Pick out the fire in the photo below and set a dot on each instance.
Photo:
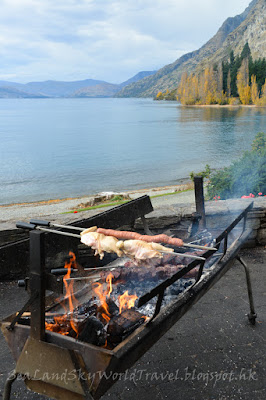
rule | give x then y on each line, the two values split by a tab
63	324
62	321
126	301
72	301
103	295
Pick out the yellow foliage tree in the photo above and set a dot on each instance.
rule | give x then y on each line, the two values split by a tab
159	96
254	90
242	83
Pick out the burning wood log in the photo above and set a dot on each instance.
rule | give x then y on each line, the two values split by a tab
93	332
123	324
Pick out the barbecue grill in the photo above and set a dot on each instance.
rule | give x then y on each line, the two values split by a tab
87	370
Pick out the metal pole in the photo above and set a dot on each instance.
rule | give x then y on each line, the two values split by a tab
199	200
252	315
37	284
7	389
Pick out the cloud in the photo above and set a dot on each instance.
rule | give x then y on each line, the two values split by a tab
103	39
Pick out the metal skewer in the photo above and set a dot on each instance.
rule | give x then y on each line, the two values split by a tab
32	226
184	255
51	224
197	246
76	228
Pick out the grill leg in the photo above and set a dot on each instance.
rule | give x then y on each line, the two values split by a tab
7	390
252	315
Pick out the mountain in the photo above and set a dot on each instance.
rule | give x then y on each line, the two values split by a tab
105	89
252	31
83	88
13	93
100	90
51	88
232	35
137	77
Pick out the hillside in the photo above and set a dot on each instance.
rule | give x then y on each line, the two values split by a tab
13	93
251	31
233	34
100	90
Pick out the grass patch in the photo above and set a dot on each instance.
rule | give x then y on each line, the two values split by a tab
115	203
170	193
118	202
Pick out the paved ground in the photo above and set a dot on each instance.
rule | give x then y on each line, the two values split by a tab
212	352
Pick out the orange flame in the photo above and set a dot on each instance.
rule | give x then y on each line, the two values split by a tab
103	294
72	301
63	323
126	301
109	280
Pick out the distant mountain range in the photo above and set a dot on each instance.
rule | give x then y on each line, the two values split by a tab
250	26
84	88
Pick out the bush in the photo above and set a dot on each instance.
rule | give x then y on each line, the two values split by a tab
233	101
205	174
246	175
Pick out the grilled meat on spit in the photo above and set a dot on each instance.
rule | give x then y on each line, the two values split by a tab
162	238
137	249
140	250
99	242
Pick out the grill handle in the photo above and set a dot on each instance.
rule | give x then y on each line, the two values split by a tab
25	225
40	222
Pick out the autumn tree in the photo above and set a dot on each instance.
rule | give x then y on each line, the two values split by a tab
243	83
210	86
254	90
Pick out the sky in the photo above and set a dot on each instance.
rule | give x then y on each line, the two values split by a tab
109	40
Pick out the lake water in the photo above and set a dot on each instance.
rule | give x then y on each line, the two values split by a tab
56	148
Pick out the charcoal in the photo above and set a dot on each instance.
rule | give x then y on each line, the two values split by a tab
112	307
123	324
88	308
93	332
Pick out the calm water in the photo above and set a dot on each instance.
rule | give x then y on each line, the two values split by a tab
56	148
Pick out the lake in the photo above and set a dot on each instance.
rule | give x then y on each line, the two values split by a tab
57	148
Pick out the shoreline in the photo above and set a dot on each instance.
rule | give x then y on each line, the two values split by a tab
178	187
67	209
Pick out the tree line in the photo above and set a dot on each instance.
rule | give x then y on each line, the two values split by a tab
238	80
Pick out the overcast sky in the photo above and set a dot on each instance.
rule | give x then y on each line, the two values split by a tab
109	40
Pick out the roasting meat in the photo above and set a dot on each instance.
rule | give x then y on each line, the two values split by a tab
136	273
162	238
100	243
140	251
137	249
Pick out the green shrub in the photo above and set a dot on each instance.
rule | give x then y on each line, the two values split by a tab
205	174
246	175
